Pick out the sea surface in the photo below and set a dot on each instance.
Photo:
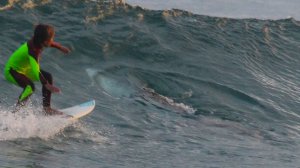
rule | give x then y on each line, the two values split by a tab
174	88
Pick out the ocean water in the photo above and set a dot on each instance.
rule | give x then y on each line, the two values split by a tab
173	88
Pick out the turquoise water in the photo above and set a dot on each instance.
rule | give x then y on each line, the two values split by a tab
172	88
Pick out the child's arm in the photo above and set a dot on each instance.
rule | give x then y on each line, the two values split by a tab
60	47
50	87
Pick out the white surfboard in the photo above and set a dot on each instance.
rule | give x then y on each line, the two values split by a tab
80	110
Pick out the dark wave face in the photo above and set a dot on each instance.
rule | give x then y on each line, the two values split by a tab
172	88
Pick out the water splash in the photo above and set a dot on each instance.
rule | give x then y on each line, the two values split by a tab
28	123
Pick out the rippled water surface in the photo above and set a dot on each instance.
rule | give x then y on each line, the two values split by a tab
172	88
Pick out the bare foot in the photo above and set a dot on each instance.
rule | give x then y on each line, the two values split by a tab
51	111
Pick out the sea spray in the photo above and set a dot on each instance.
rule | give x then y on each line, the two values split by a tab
29	122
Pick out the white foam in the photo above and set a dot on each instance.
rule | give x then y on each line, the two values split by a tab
28	123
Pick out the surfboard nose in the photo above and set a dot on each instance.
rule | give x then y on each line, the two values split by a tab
80	110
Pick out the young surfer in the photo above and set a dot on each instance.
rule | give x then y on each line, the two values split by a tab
23	67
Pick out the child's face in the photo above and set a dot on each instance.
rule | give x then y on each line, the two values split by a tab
48	42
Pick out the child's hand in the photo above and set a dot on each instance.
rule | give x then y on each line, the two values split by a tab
52	88
60	47
65	50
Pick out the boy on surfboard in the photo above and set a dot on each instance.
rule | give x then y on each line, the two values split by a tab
23	67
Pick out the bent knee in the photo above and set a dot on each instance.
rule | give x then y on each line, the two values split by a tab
28	90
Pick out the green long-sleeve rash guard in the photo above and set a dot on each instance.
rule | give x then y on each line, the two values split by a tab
24	63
